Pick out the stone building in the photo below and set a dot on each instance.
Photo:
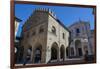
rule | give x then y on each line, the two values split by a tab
17	39
80	39
92	40
45	38
17	21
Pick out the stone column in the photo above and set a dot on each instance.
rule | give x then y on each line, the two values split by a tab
48	54
32	54
43	57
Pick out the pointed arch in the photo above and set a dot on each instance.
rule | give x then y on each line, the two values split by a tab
62	52
54	51
37	53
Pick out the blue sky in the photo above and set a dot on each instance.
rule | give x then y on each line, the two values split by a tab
67	15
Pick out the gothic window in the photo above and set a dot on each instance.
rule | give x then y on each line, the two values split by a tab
53	30
41	29
63	36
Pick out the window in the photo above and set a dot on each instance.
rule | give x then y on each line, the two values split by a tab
77	30
53	30
41	29
63	36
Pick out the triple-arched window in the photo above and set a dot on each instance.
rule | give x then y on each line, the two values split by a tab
53	30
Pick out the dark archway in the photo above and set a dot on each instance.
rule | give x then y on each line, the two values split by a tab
67	52
28	56
62	52
20	54
78	48
37	54
54	51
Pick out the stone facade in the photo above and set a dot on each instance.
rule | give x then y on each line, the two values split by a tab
45	38
80	39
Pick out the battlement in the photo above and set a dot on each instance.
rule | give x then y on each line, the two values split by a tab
46	10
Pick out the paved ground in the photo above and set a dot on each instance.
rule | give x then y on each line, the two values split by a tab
67	62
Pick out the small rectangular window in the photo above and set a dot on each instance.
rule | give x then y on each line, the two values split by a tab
63	36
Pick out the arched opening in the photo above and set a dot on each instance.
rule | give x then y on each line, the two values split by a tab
78	48
67	52
62	52
21	53
37	54
54	51
28	56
